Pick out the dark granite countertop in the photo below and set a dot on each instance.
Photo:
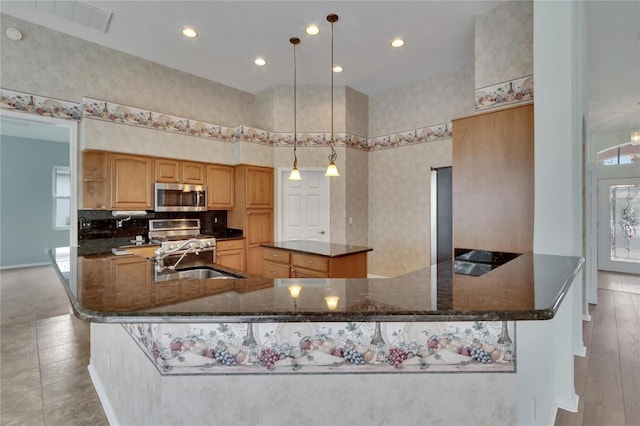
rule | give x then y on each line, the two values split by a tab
319	248
530	287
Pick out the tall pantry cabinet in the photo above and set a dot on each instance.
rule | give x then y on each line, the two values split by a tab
253	212
493	177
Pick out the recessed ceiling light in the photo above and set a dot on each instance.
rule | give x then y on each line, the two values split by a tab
14	34
338	68
189	32
312	30
260	62
397	42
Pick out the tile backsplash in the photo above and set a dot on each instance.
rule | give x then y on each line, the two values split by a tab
98	229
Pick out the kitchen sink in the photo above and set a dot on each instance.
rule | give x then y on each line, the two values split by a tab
197	273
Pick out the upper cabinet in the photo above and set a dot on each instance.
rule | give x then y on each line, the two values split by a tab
258	183
116	181
95	180
176	171
493	177
220	187
131	182
194	173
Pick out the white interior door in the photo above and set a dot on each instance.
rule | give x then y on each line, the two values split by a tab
619	225
304	206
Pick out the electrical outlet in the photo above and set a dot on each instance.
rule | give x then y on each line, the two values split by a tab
85	225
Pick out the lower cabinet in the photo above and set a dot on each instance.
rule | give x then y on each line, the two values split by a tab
230	253
278	263
130	276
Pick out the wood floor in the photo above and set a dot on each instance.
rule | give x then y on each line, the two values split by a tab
44	353
608	378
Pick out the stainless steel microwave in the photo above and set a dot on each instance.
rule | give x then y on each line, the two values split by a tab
176	197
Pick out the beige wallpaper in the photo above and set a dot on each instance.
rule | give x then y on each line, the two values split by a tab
435	100
504	43
50	63
399	206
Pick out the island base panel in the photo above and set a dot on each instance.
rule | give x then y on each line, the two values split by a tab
134	393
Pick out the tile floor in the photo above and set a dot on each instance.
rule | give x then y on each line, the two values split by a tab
44	353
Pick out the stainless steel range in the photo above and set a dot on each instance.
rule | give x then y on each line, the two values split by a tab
181	237
171	233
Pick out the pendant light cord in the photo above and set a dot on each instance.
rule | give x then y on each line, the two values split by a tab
332	157
295	41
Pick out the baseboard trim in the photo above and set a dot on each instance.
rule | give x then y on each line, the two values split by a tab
571	406
26	265
375	276
102	395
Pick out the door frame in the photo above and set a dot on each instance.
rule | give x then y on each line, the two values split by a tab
72	125
283	174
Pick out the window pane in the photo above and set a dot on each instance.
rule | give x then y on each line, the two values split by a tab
625	207
63	183
63	216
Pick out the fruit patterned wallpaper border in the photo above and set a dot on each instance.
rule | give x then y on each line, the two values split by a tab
518	90
506	93
40	105
353	347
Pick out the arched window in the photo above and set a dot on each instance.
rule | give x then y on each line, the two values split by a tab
623	154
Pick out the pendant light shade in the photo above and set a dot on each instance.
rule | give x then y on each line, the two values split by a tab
332	170
295	173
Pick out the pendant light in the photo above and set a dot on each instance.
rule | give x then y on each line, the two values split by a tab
332	170
295	174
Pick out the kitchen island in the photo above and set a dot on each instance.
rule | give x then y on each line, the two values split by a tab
340	351
313	259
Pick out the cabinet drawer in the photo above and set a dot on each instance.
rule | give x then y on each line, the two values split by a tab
275	270
274	255
307	261
229	245
308	273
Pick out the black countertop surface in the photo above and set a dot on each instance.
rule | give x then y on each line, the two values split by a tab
319	248
530	287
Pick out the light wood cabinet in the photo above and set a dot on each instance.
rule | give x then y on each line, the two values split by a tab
230	253
95	180
253	212
280	263
258	187
493	180
131	182
220	187
194	173
131	278
176	171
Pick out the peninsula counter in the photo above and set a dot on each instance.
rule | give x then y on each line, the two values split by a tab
275	351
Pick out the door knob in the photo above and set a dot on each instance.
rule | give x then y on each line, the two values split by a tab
321	232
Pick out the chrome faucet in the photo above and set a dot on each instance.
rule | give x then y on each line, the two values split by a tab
189	244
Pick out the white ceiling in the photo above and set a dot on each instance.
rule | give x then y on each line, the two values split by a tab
439	35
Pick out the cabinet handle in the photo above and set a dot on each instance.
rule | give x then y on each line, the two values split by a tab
275	255
308	262
275	273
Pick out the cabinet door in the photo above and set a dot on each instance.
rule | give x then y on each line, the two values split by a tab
259	230
231	259
193	173
259	187
131	277
220	187
230	253
167	170
95	180
131	182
